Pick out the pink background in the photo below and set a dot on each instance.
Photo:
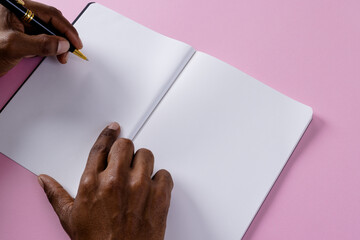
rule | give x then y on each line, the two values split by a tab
307	49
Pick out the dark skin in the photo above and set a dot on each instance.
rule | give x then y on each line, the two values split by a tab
117	197
19	40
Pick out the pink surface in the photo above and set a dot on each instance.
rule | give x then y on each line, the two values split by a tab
307	49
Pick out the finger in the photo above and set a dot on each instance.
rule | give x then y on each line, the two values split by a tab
20	45
139	186
163	185
63	58
143	163
140	181
163	180
55	18
120	157
159	202
58	197
97	160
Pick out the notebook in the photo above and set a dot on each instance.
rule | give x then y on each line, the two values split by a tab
223	135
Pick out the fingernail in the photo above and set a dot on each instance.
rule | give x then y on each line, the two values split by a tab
114	126
41	182
63	47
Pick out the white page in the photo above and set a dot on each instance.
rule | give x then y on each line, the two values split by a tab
225	138
52	122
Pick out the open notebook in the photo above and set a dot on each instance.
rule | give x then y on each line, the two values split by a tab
223	135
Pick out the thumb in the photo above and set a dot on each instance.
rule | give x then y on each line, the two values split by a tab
42	45
58	197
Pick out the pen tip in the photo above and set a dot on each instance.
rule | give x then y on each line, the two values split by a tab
80	54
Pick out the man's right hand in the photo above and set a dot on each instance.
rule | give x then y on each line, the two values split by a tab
19	39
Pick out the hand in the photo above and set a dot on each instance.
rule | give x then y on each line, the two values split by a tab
117	198
19	39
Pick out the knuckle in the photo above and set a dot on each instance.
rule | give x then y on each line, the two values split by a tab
109	185
99	148
105	191
88	182
47	47
11	36
7	44
146	153
54	11
124	143
140	184
111	181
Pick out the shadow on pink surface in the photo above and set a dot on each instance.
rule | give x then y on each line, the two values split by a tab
25	210
308	137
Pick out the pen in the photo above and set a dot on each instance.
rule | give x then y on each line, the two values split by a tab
17	7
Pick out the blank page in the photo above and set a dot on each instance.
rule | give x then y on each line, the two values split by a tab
225	138
52	122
